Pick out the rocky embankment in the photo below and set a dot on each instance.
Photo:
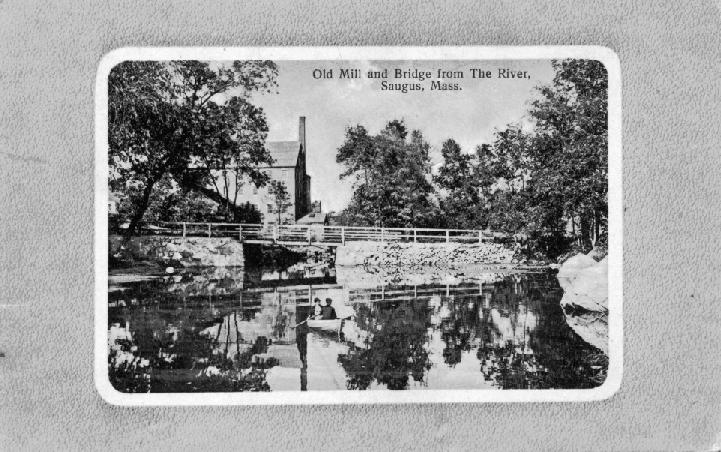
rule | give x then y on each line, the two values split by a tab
373	263
421	255
179	251
585	298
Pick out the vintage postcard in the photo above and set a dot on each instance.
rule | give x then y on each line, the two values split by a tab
358	225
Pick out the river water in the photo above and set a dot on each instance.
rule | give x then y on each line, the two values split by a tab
226	329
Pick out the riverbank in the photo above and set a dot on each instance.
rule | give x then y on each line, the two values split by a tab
412	256
585	298
176	251
373	263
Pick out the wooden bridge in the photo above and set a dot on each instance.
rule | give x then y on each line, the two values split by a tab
296	234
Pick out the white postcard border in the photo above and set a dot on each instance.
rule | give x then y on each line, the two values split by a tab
615	224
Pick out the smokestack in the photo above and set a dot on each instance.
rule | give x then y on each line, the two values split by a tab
301	132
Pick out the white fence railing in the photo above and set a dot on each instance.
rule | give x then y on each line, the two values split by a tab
297	233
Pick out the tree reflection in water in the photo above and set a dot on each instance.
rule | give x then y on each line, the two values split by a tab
396	350
543	351
166	350
204	333
515	326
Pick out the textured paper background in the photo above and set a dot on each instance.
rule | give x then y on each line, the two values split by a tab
670	397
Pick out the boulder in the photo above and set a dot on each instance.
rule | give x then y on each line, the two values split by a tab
585	298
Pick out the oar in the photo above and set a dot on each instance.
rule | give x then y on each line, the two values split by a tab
299	324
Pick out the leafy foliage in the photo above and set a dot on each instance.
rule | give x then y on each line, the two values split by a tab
280	197
539	178
392	177
570	149
462	203
184	119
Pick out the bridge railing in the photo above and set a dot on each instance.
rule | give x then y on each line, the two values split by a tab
298	233
415	235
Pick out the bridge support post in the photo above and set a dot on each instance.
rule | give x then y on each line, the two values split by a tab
415	239
342	235
240	233
448	236
383	235
184	230
307	232
209	233
480	236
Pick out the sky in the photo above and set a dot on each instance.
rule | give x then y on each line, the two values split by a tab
330	105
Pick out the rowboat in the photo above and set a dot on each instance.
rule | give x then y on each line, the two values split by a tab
325	325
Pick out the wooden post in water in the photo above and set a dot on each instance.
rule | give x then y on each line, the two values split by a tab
342	235
480	236
184	229
308	234
240	233
415	240
448	236
209	230
383	238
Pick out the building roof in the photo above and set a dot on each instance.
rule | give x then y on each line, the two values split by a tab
313	218
284	153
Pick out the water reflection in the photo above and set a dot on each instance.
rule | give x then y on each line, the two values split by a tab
225	330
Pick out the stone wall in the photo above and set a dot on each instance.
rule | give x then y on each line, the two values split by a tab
186	252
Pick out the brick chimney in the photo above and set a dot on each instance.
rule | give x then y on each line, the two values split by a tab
301	132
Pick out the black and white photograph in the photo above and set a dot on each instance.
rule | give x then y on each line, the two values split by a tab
360	225
341	225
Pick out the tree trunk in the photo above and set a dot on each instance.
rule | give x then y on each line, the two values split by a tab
139	211
235	195
227	196
585	229
597	223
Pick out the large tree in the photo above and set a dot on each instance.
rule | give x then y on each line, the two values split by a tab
570	147
391	172
458	177
184	119
556	171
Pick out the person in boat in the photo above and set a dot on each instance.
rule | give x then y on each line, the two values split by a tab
328	312
317	309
